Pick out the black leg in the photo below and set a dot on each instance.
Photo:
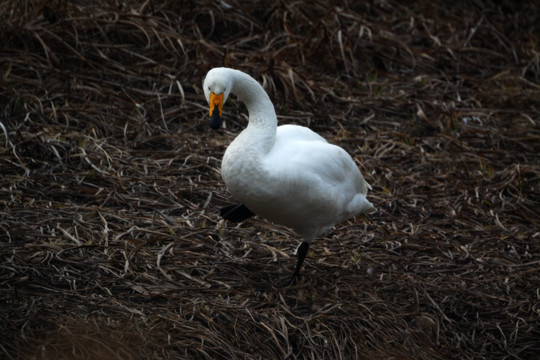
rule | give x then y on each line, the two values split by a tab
301	253
235	212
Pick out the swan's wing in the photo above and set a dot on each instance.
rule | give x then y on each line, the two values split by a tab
300	152
314	163
310	186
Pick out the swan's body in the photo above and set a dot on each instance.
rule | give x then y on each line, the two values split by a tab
288	174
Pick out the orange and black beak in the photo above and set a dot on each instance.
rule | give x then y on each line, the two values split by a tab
216	104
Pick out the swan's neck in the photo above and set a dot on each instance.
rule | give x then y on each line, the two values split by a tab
262	116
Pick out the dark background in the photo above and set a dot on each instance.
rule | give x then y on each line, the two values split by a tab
111	244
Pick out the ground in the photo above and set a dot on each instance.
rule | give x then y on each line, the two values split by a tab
111	243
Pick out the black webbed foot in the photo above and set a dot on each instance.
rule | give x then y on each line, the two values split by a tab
301	253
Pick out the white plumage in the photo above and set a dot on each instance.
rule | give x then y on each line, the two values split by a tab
288	174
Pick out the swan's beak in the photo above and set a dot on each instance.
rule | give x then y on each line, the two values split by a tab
216	104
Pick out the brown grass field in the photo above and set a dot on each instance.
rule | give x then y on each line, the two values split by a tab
111	243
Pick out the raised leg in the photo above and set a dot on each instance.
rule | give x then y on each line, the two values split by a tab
235	213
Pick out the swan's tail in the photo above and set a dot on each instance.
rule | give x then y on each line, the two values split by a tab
360	205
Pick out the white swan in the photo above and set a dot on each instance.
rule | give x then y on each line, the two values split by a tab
287	174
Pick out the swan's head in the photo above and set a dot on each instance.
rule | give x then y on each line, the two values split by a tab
217	87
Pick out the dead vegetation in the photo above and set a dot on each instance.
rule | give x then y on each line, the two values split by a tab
111	243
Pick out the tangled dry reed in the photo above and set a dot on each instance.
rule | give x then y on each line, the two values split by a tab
111	244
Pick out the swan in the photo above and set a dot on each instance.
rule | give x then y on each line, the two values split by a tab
287	174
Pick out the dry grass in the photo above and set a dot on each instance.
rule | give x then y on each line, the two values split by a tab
111	244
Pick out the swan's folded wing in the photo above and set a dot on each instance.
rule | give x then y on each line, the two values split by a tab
316	165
